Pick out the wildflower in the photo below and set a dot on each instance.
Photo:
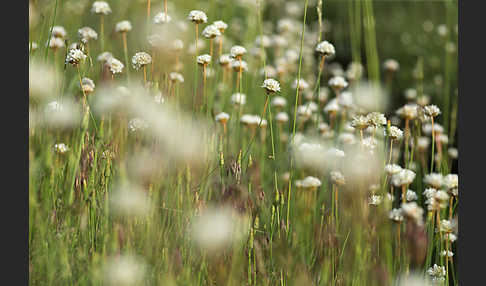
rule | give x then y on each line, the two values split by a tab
337	83
176	77
197	17
282	117
61	148
300	84
215	229
238	98
309	182
323	94
177	45
411	196
204	59
374	200
59	32
137	124
402	178
271	85
431	110
222	26
413	211
437	273
88	85
123	27
211	32
75	56
86	34
250	120
124	270
345	99
325	48
222	117
323	127
450	237
427	128
224	60
453	153
391	65
451	181
376	119
396	215
304	112
408	111
140	60
337	178
434	180
239	66
104	57
162	18
346	138
392	169
237	52
447	253
354	71
332	106
101	7
447	226
279	101
56	43
263	41
115	65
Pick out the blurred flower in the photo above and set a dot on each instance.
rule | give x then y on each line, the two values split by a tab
123	27
124	270
101	7
141	59
86	34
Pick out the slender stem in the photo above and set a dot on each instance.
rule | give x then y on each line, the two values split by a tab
165	8
211	47
433	145
102	32
125	51
391	151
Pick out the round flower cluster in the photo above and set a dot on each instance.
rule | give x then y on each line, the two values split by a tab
123	27
271	85
100	7
141	59
197	17
75	56
114	65
211	32
86	34
325	48
162	18
204	59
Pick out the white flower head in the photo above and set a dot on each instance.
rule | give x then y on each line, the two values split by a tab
396	215
395	133
301	84
309	183
204	59
86	34
61	148
88	85
338	83
115	65
222	117
101	7
59	32
404	177
123	27
391	65
237	51
211	32
222	26
140	60
162	18
197	17
271	85
238	99
434	180
56	43
432	110
238	66
326	49
104	57
282	117
75	56
376	119
392	169
279	101
176	77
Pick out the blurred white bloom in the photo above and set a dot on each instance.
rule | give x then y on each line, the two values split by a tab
332	106
395	133
392	169
238	98
217	228
404	177
411	196
374	200
408	111
391	65
310	183
396	215
431	110
410	93
376	119
61	148
434	180
43	79
162	18
282	117
124	270
346	99
414	279
237	51
137	124
279	101
338	83
224	59
301	84
101	7
86	34
451	181
413	212
211	31
88	85
130	200
237	65
222	26
175	76
104	57
222	117
59	32
453	153
337	178
123	27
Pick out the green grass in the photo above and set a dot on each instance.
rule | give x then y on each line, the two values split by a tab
291	236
